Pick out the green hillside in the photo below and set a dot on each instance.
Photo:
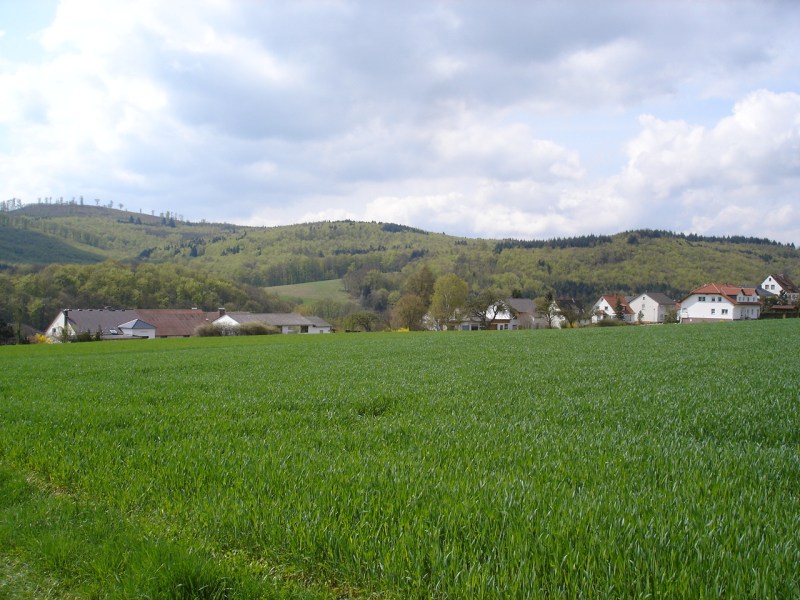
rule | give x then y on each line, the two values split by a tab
373	260
332	289
25	246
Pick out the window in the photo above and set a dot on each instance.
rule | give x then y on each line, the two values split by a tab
724	311
702	298
713	310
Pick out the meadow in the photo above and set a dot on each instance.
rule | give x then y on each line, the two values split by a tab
627	462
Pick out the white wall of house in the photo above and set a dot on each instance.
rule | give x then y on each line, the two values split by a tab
771	285
608	312
602	310
776	288
650	310
713	307
55	330
139	332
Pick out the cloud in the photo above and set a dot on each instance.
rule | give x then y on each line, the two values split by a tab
717	177
505	119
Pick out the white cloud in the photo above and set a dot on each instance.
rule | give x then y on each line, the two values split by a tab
476	119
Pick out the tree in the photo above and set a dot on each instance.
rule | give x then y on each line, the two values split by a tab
420	283
363	320
571	310
619	309
6	333
485	306
408	312
547	309
449	297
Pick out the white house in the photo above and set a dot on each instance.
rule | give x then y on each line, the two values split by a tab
775	284
124	324
651	307
73	322
286	322
606	308
720	302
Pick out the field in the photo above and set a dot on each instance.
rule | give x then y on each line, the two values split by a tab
331	289
629	462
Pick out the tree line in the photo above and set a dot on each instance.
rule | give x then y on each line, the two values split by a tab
35	297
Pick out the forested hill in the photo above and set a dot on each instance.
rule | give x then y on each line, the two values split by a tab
582	267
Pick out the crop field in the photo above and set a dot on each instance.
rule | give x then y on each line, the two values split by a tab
627	462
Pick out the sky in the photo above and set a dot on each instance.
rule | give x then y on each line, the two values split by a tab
484	119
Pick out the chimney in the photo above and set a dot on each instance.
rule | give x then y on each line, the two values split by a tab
222	311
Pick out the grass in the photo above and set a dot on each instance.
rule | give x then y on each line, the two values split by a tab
310	292
624	462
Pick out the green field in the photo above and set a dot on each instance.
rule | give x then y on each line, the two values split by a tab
331	289
629	462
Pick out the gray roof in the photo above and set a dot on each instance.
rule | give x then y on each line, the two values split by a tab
318	321
103	319
661	298
137	324
278	319
522	305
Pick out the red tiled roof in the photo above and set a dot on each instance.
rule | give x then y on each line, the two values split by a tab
730	292
612	301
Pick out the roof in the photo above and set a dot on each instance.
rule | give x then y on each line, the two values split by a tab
730	292
522	305
318	321
785	283
176	322
612	302
84	320
659	298
173	322
278	319
137	324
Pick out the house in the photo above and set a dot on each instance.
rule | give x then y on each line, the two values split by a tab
652	307
606	308
720	302
525	313
286	322
775	284
520	314
104	321
126	324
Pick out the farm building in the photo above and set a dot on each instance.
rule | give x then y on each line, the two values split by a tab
286	322
128	324
103	322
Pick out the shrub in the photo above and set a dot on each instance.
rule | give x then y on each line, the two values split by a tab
208	330
256	329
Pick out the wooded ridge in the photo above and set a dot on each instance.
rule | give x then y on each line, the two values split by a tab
44	247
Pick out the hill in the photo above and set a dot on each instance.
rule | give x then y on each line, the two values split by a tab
374	259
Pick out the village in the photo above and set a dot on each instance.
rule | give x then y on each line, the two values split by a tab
776	296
